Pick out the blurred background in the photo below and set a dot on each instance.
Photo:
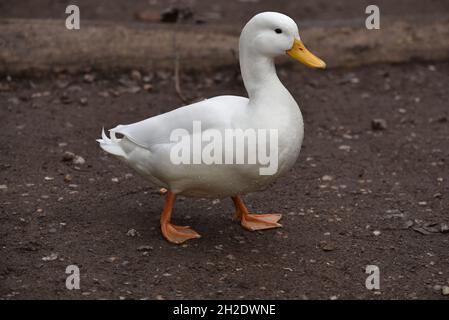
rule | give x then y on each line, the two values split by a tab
222	11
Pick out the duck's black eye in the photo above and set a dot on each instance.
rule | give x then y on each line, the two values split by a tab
277	30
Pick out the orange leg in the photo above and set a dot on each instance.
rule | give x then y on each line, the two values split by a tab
171	232
254	222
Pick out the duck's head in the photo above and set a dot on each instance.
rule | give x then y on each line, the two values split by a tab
272	34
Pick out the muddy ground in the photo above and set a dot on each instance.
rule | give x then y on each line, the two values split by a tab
358	195
225	11
355	196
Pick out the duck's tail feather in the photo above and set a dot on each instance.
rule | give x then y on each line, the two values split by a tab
112	145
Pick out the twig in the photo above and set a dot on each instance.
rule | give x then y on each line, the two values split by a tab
177	78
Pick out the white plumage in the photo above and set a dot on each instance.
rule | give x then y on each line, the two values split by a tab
146	145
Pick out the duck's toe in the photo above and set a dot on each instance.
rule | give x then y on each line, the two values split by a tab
255	222
178	234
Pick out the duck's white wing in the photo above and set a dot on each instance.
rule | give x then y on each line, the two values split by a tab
217	112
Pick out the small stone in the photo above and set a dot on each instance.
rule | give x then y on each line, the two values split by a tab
112	259
83	101
376	233
48	178
133	89
68	178
52	230
136	75
148	16
114	180
78	160
3	187
408	224
51	257
144	248
230	257
327	178
444	228
344	148
378	124
326	246
163	191
148	87
89	78
68	156
132	233
445	290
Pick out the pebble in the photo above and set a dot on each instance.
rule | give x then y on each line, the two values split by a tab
444	228
3	187
136	75
89	78
376	233
132	233
78	160
378	124
144	248
114	179
326	246
68	156
327	178
445	290
48	178
51	257
83	101
68	178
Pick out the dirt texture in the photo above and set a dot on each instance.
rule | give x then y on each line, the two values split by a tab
370	186
355	197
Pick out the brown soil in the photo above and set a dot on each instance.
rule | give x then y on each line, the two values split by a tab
356	196
387	181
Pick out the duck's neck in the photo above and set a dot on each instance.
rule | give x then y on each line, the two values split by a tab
258	73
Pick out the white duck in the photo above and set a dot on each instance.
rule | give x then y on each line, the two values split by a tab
147	145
